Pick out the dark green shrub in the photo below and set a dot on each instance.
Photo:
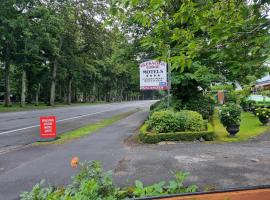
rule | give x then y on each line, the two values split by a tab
262	113
169	121
159	105
153	138
163	121
190	121
230	114
201	104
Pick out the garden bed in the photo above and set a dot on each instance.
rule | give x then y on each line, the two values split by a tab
153	138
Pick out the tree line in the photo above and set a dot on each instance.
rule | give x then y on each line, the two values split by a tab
82	50
63	50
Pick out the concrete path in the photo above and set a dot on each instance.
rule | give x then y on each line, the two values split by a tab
212	166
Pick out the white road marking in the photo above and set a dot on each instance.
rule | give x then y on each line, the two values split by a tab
61	120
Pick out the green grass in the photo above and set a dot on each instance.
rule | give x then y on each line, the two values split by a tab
16	107
250	127
87	130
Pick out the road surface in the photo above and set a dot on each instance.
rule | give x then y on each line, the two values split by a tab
21	128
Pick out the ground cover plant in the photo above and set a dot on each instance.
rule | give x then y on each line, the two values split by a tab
92	183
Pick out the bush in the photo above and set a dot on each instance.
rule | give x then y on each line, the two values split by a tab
230	114
153	138
190	121
262	113
163	121
203	105
169	121
158	106
95	184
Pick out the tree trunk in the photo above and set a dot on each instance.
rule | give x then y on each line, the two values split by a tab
37	94
53	84
23	92
69	90
7	82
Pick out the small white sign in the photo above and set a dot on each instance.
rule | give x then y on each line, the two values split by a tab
153	75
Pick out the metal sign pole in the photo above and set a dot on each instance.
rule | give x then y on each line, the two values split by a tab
169	79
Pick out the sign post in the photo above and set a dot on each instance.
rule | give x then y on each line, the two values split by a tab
47	128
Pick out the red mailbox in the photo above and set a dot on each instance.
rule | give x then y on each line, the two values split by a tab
48	127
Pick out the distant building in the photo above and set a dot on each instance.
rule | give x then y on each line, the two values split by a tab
263	83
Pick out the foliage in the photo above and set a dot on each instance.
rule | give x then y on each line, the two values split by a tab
202	104
222	87
205	41
93	183
158	106
230	114
153	138
250	128
190	121
163	121
262	113
66	53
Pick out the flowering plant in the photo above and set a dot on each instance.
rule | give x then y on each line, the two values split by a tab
262	113
230	114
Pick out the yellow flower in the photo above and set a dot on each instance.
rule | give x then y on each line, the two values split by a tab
74	162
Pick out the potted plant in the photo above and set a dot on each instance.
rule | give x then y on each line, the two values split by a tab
230	117
263	115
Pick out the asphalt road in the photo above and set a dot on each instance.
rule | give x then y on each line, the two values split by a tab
21	128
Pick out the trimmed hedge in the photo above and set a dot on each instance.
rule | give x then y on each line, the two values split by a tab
153	138
163	121
166	121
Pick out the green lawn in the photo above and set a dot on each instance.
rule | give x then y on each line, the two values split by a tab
88	129
16	107
250	127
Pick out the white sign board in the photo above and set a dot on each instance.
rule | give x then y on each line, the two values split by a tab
153	75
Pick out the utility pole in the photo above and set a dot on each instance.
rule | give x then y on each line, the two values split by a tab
169	79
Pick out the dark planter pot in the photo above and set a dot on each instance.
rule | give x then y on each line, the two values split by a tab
264	121
233	129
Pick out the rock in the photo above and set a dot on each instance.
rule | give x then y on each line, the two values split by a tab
254	160
161	143
164	143
202	140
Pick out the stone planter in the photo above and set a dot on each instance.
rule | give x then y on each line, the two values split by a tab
233	129
263	120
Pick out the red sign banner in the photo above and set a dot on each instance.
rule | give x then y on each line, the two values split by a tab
48	127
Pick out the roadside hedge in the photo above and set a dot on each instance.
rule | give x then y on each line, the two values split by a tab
153	138
166	121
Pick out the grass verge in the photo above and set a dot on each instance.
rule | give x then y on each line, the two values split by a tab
88	129
250	127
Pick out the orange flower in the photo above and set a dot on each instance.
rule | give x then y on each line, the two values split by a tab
74	162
